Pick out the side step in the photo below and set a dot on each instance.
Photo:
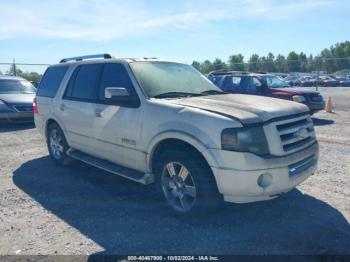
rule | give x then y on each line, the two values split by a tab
137	176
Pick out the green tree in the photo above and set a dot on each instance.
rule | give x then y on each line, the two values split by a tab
280	63
303	62
293	64
30	76
219	65
311	64
253	63
327	61
262	66
207	67
236	62
196	65
271	67
341	53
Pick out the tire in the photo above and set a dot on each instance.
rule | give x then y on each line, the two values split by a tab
57	145
196	193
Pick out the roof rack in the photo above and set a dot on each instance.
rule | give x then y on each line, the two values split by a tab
81	58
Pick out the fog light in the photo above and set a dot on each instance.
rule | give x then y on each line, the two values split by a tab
264	180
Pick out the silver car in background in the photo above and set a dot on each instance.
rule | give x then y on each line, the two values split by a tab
16	100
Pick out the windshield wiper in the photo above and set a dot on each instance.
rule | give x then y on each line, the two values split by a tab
213	92
175	94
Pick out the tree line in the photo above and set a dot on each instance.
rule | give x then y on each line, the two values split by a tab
333	59
30	76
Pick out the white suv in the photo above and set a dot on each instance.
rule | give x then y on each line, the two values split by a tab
163	122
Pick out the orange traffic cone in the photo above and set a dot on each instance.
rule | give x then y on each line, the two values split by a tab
329	106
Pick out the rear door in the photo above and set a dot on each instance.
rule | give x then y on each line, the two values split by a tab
250	85
232	84
78	105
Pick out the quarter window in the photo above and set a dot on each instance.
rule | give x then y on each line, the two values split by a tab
51	81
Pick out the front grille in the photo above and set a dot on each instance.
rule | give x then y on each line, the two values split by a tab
23	108
316	98
295	134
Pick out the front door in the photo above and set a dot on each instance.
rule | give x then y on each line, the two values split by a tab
117	129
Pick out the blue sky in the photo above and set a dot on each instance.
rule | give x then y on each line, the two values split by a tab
35	31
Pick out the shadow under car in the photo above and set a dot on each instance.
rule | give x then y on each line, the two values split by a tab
128	218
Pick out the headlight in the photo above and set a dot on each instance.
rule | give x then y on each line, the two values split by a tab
299	99
250	139
4	107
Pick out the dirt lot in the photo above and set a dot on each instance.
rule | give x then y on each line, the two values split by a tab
81	210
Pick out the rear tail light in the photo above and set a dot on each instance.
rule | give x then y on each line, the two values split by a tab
35	106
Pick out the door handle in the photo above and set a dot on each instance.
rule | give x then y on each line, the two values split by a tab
98	113
62	107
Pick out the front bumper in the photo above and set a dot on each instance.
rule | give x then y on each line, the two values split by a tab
16	117
245	177
316	106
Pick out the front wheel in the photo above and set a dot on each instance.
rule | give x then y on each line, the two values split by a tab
57	145
187	182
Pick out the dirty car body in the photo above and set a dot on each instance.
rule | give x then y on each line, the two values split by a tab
253	147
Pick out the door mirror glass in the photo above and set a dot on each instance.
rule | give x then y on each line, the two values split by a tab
120	96
113	93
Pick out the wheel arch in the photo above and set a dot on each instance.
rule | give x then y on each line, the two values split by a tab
177	141
49	122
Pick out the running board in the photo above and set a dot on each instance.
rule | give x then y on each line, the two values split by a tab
137	176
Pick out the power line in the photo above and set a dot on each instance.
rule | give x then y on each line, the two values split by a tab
25	64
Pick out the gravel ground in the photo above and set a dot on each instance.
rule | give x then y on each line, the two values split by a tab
81	210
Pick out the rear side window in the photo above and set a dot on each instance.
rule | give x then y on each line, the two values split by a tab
232	84
254	84
51	81
83	84
115	75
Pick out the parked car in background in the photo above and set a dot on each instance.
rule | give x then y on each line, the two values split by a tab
266	85
292	80
16	99
307	81
328	81
35	83
163	122
344	81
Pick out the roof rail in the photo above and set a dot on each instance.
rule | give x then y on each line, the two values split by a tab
225	72
81	58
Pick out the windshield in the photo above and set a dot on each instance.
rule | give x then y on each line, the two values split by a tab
161	78
14	86
275	82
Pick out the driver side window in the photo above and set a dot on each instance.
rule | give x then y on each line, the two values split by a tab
114	75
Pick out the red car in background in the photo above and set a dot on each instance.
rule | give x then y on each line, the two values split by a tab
266	85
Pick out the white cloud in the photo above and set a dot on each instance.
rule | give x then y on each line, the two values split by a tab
94	20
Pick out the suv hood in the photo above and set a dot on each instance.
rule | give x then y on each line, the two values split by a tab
294	91
248	109
17	98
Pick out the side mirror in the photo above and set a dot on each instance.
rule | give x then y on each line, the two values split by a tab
120	96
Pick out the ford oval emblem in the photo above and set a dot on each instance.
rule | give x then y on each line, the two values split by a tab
302	133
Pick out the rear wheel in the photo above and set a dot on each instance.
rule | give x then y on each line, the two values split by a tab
57	145
187	182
